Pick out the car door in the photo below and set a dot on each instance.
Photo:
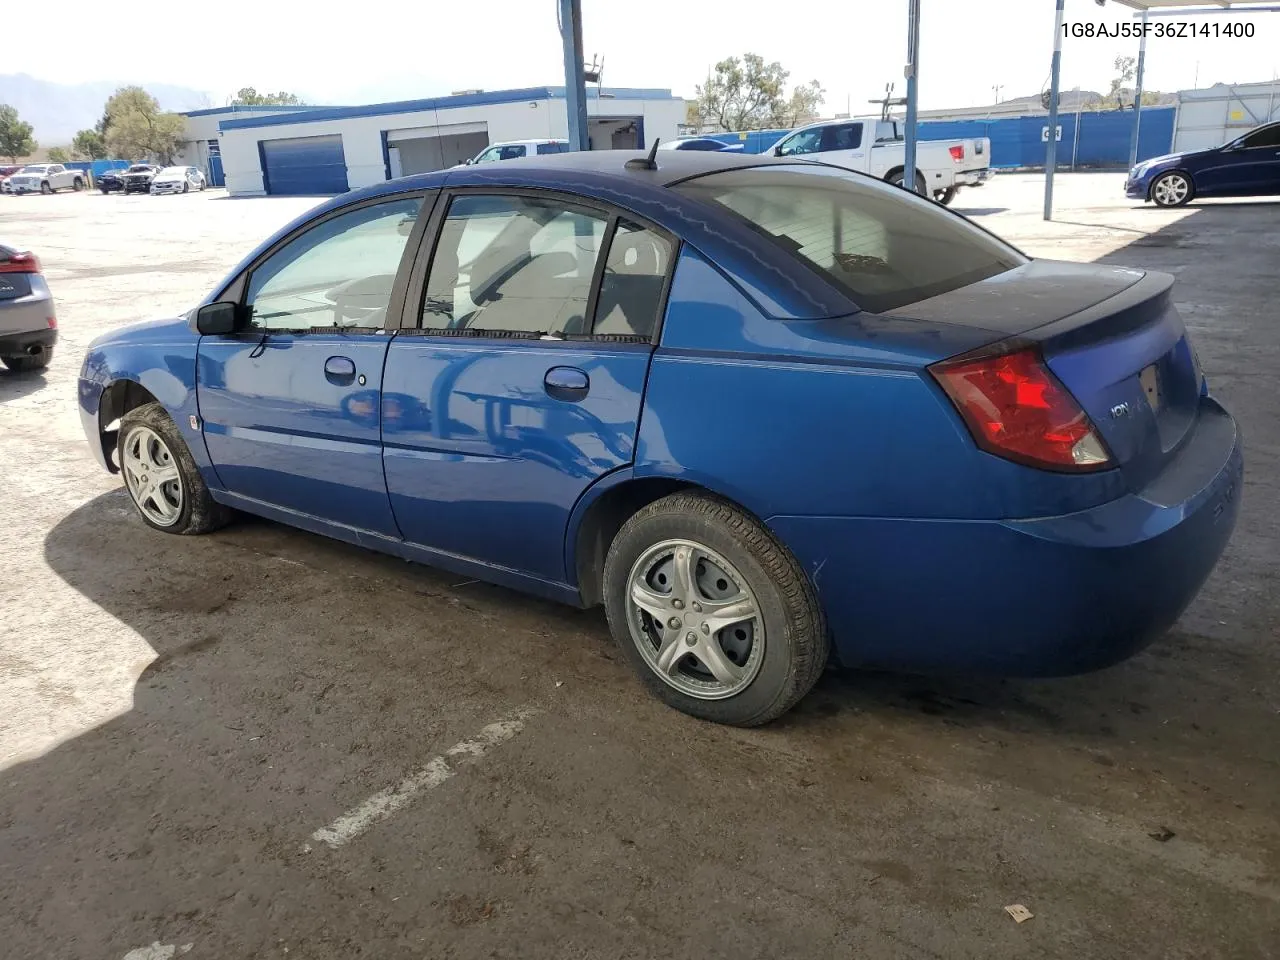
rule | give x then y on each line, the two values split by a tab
842	144
290	407
524	381
1248	167
799	144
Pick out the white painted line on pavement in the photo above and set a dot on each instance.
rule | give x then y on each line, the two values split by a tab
439	769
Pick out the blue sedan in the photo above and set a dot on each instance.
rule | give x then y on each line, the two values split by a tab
763	411
1248	166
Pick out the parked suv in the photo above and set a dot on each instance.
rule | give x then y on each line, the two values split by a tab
137	179
5	174
45	178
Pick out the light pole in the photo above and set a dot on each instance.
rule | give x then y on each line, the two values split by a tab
1051	151
913	52
575	84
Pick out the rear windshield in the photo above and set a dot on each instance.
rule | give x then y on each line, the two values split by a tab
882	245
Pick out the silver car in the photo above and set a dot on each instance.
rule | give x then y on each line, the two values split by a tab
177	180
28	325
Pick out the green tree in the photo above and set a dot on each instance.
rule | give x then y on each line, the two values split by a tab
801	106
89	145
249	97
743	93
136	127
1126	70
58	155
15	135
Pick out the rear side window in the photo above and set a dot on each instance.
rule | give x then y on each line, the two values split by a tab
884	246
844	136
1268	137
545	148
631	287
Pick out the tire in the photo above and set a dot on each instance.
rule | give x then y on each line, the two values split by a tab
896	177
185	186
1173	189
180	504
945	197
45	188
27	363
786	635
78	185
104	190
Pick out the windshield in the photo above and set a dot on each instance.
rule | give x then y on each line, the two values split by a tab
885	247
139	168
35	168
173	172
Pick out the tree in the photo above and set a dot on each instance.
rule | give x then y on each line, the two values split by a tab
249	97
58	155
743	93
1126	69
15	135
89	145
802	105
136	128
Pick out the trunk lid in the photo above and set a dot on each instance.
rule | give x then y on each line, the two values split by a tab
1112	336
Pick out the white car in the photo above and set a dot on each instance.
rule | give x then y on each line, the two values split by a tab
514	149
875	146
177	180
45	178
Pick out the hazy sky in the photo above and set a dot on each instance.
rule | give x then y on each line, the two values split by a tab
397	49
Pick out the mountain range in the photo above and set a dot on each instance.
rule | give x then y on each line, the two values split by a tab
58	110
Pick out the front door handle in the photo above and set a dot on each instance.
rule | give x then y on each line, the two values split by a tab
340	370
567	383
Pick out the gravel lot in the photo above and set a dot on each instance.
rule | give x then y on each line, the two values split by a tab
195	733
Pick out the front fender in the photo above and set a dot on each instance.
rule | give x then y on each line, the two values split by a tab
155	360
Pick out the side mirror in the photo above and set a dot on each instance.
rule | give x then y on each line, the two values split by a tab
777	152
218	319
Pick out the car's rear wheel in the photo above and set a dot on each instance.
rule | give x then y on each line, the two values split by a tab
945	197
78	185
28	362
162	479
713	612
1172	189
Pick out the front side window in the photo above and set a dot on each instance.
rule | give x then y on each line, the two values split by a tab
337	274
1270	137
885	248
36	168
490	155
513	264
798	144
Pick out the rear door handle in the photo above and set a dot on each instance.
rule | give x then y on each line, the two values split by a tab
340	370
567	383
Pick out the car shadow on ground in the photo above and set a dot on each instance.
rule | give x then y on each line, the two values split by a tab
980	211
14	385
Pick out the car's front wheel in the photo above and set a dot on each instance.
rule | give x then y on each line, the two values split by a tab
712	612
1172	189
77	185
45	188
162	479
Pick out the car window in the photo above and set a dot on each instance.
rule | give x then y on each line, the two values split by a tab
337	274
1269	137
38	168
842	136
511	151
884	247
631	287
546	148
887	131
798	144
488	156
514	264
56	168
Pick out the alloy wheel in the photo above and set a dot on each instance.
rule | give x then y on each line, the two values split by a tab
151	474
1171	190
694	619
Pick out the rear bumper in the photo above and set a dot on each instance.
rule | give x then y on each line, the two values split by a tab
973	178
23	344
1041	597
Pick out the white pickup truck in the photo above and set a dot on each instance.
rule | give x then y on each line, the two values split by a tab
875	146
45	178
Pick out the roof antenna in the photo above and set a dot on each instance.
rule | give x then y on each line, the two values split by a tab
648	163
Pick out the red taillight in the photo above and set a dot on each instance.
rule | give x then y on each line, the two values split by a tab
957	152
1017	409
20	263
53	323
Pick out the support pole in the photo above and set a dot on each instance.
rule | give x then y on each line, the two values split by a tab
1051	151
1137	93
575	84
913	53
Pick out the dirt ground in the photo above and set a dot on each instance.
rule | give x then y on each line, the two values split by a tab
239	746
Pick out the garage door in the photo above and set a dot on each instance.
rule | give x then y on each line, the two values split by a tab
304	166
